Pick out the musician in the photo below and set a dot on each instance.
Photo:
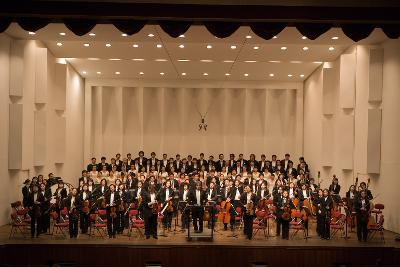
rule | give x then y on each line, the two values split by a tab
141	160
317	202
165	197
364	186
118	162
351	195
26	189
177	163
84	208
60	194
334	189
290	170
123	201
241	162
212	196
197	198
326	207
285	163
362	208
284	205
129	159
46	192
34	204
248	200
102	164
184	198
112	199
91	165
149	209
84	177
274	164
263	192
72	205
220	163
254	186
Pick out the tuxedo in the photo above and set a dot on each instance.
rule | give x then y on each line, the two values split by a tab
197	198
100	166
178	165
153	161
242	162
111	222
142	161
150	219
219	165
247	217
211	194
35	212
262	194
285	164
262	165
130	162
202	162
118	163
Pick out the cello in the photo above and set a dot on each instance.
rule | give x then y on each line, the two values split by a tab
225	215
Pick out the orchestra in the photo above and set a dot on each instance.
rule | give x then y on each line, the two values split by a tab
195	191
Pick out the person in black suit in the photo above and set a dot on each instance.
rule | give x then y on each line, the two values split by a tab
164	161
153	159
83	196
178	162
25	192
35	202
263	192
362	207
363	186
101	164
142	161
326	207
149	211
220	163
90	166
118	162
112	200
283	205
184	198
262	164
334	189
72	205
285	162
317	202
197	198
202	161
130	161
242	161
46	192
210	163
231	163
165	197
248	201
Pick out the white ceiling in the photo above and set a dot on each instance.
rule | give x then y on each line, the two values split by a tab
129	61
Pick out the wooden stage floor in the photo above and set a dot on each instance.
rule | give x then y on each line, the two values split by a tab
176	250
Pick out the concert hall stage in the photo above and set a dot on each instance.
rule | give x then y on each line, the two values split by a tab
175	250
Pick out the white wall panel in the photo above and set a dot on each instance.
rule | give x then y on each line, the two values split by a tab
17	67
235	117
328	91
40	138
375	74
254	122
347	80
152	118
172	122
327	141
59	132
41	75
60	86
374	140
346	146
112	120
131	120
15	137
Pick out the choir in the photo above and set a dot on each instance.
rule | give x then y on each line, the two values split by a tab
194	189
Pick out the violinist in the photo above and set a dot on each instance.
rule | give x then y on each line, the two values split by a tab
351	195
248	200
166	196
263	192
364	186
212	195
112	199
197	198
72	203
34	204
150	211
25	192
83	200
317	202
326	207
284	205
362	208
123	200
46	192
184	197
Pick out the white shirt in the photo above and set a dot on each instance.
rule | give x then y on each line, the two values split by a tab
139	191
237	196
198	197
185	195
72	202
35	195
291	193
363	204
209	195
248	198
152	198
84	195
262	193
166	194
305	194
112	199
351	195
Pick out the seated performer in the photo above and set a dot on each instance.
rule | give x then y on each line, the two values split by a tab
197	198
362	208
112	199
149	209
248	200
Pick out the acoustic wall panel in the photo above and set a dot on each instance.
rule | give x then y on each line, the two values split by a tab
15	137
131	120
214	103
328	91
39	139
96	121
347	80
59	132
327	141
346	144
112	120
374	140
17	67
254	122
41	75
60	86
375	74
172	120
234	127
152	118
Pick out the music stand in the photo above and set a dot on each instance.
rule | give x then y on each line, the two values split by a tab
348	215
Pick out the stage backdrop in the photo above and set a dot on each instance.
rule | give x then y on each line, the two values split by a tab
128	116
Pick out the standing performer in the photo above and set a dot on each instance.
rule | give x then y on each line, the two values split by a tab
112	198
35	202
326	207
197	198
46	192
248	200
362	207
320	216
165	197
72	203
149	211
83	200
284	205
183	198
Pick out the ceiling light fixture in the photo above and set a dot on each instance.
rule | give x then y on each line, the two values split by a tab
117	72
159	46
209	46
331	48
138	59
183	73
248	36
274	37
250	61
304	37
335	38
227	74
206	60
274	61
305	48
92	34
114	59
256	47
62	33
162	73
124	35
228	61
135	45
83	72
183	60
181	46
86	45
31	33
205	73
93	58
271	75
108	45
59	44
283	48
182	36
301	75
289	75
150	35
233	46
317	62
99	72
246	74
295	62
161	60
141	73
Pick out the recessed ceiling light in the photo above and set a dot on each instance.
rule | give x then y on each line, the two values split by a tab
301	75
283	48
93	58
99	72
92	34
162	73
228	61
150	35
86	45
305	48
83	72
317	62
274	61
248	36
183	60
182	36
275	37
295	61
250	61
206	60
161	60
31	33
227	74
159	46
331	48
117	72
289	75
335	38
233	46
59	44
114	59
304	37
271	75
108	45
209	46
183	73
141	73
135	45
138	59
246	74
62	33
205	73
181	46
256	47
124	35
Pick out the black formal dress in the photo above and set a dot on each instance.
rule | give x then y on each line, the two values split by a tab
149	214
112	200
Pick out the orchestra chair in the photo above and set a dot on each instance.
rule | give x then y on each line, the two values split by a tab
338	223
297	224
259	223
103	215
18	224
97	224
377	227
160	218
378	209
135	223
62	226
239	217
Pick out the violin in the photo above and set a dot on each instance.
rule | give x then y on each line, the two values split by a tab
113	212
170	207
86	207
250	209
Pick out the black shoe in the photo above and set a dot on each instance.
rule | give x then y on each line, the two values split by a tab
225	228
109	236
201	230
155	237
147	237
113	236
